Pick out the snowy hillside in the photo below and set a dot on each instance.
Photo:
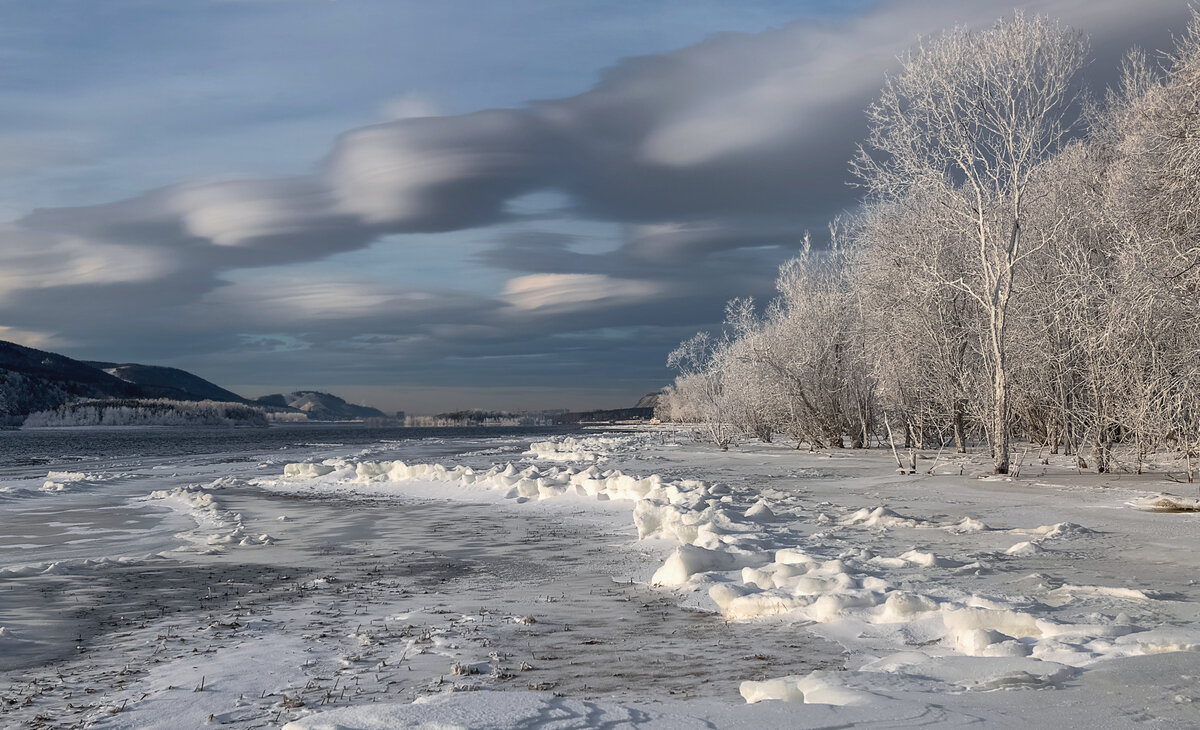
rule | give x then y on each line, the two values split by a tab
320	406
163	382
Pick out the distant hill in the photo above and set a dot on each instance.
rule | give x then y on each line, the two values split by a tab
650	400
642	411
162	382
319	406
35	380
607	416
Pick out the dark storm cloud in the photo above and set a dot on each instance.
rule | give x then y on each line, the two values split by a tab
714	159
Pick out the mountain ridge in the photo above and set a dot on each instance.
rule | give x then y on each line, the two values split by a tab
33	380
319	406
167	382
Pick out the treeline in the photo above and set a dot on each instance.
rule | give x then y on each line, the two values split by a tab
22	393
477	418
609	415
144	412
1025	264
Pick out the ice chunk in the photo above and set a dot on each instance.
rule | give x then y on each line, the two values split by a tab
967	526
879	517
688	560
306	470
760	512
902	606
818	688
1024	549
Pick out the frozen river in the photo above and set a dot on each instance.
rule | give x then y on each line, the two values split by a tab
72	494
399	578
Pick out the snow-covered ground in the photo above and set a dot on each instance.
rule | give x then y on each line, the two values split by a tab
609	579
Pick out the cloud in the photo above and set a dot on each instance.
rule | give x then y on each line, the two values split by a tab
748	126
28	151
267	302
436	174
251	212
559	293
332	307
676	243
42	260
36	340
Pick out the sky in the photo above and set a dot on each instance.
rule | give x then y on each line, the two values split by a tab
430	206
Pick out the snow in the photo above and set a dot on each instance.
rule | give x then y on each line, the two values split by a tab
1165	503
761	512
216	527
655	583
751	571
523	710
1024	549
588	449
818	688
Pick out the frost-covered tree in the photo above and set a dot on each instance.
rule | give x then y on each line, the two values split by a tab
806	351
1004	277
147	412
699	395
918	330
969	119
818	313
1062	348
1153	209
754	389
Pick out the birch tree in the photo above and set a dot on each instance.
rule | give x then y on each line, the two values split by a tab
918	330
969	118
1153	207
699	395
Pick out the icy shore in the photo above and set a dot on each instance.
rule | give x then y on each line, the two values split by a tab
638	579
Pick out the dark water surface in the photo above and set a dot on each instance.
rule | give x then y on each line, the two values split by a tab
63	447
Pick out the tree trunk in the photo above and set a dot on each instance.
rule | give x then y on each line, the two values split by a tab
960	437
892	441
1000	448
1102	451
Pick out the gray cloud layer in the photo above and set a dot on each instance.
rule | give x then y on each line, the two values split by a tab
714	159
